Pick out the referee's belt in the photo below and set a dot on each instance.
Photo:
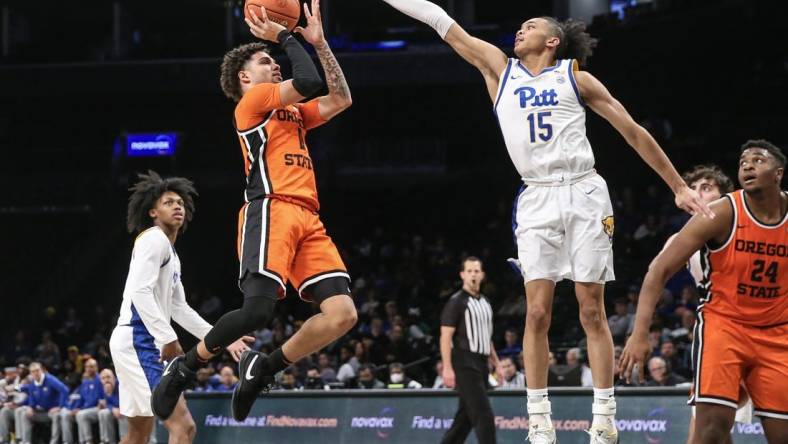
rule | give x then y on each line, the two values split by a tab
560	180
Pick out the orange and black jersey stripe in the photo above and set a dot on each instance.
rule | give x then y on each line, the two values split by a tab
272	136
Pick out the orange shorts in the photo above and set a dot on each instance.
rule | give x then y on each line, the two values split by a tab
286	242
729	353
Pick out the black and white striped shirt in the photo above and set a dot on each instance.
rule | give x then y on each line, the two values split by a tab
473	319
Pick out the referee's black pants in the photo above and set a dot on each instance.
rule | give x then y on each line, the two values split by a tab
470	370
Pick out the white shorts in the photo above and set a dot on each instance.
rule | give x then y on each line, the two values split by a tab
137	367
565	232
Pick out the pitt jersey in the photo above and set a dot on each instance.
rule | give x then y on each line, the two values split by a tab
543	121
272	136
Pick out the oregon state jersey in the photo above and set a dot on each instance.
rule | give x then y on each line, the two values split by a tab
272	136
746	279
543	121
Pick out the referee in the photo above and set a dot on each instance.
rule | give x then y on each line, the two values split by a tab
466	347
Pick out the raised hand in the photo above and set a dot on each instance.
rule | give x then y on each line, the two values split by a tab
262	27
689	200
313	33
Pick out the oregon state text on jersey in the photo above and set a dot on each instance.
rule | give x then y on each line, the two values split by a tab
746	279
272	136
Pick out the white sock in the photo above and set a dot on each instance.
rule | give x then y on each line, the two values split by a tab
604	407
535	397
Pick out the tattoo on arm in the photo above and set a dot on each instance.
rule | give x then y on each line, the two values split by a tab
335	78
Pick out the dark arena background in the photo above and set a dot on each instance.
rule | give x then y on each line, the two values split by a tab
412	178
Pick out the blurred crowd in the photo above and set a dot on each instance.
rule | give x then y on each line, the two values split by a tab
401	281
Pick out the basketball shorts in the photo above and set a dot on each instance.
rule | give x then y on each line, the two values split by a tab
565	231
137	367
727	353
286	242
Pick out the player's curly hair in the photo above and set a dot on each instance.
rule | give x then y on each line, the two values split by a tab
233	62
576	43
148	190
773	149
710	172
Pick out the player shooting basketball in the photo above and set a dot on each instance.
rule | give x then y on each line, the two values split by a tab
280	235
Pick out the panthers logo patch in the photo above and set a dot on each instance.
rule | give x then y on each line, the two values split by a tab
608	224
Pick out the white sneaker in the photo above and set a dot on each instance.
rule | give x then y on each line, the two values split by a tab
601	434
541	435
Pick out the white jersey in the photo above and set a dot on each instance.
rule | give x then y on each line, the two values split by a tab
543	121
154	294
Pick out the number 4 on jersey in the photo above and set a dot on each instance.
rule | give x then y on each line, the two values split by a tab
536	122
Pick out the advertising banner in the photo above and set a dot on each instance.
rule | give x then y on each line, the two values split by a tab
423	416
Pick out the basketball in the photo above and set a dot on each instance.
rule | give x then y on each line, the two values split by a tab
284	12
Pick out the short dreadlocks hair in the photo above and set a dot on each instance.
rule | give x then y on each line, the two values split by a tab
147	191
576	43
233	62
712	173
773	149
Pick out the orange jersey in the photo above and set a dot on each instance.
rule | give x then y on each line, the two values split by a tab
746	279
272	136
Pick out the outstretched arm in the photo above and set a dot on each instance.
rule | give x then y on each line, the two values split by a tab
599	99
690	239
487	58
338	98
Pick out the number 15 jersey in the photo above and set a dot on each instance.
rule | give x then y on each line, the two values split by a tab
746	278
543	121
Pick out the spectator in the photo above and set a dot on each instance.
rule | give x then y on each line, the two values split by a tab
327	372
109	415
670	354
398	349
288	381
512	344
85	409
227	380
73	367
438	384
661	376
574	358
346	371
398	379
21	347
313	381
48	353
10	398
391	312
379	342
367	379
621	322
512	378
71	327
46	396
203	381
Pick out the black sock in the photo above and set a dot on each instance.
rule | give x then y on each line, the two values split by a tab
277	361
192	360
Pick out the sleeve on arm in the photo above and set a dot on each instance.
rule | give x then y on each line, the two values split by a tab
256	103
452	312
310	113
186	316
150	252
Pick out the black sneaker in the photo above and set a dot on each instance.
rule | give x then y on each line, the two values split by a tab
175	379
253	377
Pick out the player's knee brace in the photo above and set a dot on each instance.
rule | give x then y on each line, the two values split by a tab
256	312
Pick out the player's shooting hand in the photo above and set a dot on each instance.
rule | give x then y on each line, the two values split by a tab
448	377
689	200
313	33
636	351
171	351
238	347
262	27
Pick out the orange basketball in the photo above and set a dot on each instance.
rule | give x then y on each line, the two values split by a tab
284	12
